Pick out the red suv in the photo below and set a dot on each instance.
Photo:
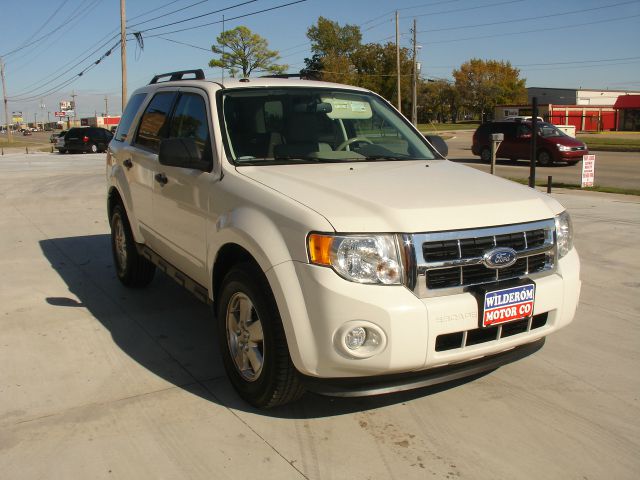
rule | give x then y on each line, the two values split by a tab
553	145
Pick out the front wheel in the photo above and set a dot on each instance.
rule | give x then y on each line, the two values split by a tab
252	340
544	159
485	155
62	150
133	270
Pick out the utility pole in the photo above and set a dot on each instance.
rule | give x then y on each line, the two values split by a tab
75	109
414	83
106	106
123	53
6	102
222	68
398	62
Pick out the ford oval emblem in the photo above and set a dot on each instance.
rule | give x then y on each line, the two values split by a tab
500	257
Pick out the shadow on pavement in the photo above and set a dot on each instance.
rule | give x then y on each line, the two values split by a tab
172	334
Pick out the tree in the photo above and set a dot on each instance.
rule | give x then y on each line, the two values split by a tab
483	84
330	43
376	64
242	50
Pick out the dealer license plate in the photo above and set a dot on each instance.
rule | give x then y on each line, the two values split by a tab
508	304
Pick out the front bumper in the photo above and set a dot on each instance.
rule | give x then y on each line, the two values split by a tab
317	307
379	385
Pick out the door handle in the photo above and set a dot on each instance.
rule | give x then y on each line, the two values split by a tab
161	178
127	163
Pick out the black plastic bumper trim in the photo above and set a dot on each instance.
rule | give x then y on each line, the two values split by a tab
378	385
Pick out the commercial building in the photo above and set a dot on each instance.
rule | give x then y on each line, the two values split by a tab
100	121
588	110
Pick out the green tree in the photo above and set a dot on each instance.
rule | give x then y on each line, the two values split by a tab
483	84
330	44
241	50
375	65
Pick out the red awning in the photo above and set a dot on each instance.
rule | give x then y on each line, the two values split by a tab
627	101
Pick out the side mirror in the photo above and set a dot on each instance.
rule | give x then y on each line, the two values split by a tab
181	152
438	143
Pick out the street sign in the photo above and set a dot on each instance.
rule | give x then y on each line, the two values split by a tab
588	170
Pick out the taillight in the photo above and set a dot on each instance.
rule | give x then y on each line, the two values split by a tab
85	139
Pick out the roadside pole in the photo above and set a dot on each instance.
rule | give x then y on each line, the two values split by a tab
414	81
398	62
123	52
534	136
6	102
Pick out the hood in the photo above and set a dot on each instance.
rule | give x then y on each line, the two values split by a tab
405	196
566	141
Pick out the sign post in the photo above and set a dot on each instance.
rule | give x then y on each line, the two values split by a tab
588	170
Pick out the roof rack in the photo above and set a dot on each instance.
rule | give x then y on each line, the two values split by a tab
199	75
284	75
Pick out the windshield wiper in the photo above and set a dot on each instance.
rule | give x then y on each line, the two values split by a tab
389	157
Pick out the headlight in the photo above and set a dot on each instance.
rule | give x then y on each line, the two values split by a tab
564	233
358	258
563	148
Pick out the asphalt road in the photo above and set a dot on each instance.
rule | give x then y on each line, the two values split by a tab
613	169
99	381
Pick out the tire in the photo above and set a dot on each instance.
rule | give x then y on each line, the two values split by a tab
544	159
62	150
93	148
132	269
485	154
252	340
573	162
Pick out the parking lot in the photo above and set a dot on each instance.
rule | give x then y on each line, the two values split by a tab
99	381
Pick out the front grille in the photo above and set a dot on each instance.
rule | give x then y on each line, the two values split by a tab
456	259
456	340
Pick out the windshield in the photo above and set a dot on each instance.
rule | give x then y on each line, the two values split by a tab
307	125
548	130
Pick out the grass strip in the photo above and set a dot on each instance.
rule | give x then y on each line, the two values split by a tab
575	186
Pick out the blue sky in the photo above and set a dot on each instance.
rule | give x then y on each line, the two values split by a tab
569	44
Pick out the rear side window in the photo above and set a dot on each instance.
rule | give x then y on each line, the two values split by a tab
153	123
127	117
190	120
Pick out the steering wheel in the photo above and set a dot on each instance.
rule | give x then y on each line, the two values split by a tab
347	143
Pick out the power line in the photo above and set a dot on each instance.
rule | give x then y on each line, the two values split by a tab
194	17
186	44
537	17
68	81
220	21
61	25
536	30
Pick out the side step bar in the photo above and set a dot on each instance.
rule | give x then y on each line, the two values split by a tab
182	279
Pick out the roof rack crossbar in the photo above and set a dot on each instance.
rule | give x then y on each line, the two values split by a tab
283	75
199	75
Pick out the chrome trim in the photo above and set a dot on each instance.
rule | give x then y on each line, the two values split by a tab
418	266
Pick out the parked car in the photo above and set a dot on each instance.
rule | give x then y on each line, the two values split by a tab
552	144
86	139
27	133
341	251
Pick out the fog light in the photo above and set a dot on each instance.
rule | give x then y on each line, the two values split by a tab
355	338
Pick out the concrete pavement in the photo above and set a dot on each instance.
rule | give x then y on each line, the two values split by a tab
98	381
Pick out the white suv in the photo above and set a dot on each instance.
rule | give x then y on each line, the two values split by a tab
342	252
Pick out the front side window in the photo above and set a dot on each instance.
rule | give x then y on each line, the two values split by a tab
298	125
127	117
153	124
190	121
